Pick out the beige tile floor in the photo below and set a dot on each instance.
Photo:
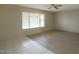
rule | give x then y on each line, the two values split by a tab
44	43
59	41
22	45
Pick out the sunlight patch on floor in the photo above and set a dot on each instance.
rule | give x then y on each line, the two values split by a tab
23	46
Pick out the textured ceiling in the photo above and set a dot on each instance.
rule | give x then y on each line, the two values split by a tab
45	7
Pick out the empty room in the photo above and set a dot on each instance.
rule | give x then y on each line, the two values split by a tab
39	28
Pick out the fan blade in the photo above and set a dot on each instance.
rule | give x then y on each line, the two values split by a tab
56	7
59	5
52	4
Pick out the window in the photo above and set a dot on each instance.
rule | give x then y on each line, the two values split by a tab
32	20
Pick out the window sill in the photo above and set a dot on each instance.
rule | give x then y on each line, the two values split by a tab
33	28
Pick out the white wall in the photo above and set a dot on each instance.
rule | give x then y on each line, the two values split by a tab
49	21
68	20
11	22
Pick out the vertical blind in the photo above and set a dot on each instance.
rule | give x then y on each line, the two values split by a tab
32	20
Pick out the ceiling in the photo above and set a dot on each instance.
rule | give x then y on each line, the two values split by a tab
46	6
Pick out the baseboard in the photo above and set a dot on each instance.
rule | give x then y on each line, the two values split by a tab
40	32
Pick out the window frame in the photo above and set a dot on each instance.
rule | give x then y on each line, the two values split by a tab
29	27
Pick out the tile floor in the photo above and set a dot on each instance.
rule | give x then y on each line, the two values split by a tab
59	42
22	45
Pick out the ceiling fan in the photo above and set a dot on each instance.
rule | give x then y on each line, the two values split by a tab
56	6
